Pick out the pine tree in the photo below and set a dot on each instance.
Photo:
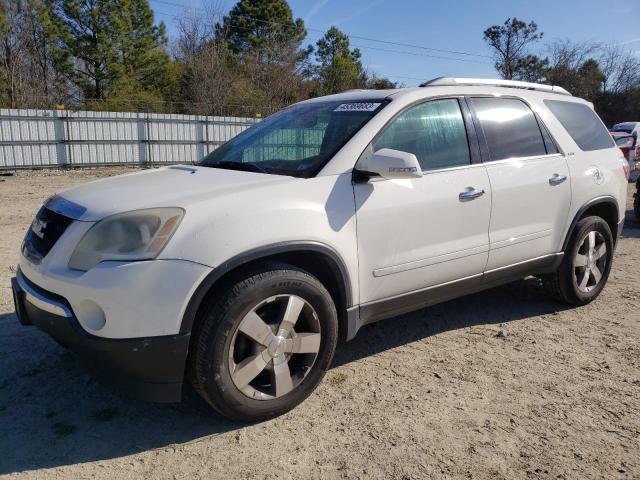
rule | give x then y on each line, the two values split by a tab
119	52
261	26
339	67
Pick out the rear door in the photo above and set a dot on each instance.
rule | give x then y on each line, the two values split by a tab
530	185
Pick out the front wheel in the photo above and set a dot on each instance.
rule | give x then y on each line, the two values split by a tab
264	345
585	267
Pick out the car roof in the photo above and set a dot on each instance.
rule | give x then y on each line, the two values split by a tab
631	125
528	91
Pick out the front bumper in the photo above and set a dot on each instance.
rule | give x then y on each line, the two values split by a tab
150	368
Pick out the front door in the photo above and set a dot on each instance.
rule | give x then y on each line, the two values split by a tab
415	234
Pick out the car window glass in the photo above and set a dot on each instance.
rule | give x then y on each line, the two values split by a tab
290	143
582	123
510	128
433	131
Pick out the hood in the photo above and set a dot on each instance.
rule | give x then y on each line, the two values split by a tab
175	186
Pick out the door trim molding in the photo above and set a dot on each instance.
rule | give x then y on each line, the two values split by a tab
521	239
425	262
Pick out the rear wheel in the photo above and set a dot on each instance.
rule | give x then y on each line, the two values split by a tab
636	202
264	345
585	267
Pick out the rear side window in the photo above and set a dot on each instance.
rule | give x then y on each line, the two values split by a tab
433	131
510	128
582	123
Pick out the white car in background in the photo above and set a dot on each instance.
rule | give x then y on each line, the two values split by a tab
242	272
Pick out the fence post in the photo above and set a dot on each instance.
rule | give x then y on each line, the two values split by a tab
202	137
142	137
148	129
60	137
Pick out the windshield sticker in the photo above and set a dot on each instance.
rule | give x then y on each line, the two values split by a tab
357	107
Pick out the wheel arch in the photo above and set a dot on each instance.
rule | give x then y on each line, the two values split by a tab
317	258
605	207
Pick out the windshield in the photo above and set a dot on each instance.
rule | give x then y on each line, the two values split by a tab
297	141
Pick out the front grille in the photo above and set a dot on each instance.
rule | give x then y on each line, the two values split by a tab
46	229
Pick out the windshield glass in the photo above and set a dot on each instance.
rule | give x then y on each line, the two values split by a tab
297	141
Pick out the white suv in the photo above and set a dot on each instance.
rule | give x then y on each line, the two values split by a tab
241	273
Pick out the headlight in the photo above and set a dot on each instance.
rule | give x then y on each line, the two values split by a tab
135	235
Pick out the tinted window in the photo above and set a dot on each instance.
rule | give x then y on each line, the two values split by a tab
582	123
433	131
510	128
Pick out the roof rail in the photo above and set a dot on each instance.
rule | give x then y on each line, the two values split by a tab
450	81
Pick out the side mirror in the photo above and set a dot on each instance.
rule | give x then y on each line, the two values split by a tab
394	164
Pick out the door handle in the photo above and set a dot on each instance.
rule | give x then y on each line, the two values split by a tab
557	179
470	194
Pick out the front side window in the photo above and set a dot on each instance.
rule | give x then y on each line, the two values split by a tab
433	131
297	141
582	123
510	128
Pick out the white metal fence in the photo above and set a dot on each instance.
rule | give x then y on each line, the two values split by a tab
58	138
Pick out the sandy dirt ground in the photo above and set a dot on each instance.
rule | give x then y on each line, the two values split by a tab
502	384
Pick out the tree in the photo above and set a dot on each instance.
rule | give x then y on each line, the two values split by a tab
260	26
621	69
258	79
608	76
591	79
380	83
574	66
339	67
115	46
32	64
510	42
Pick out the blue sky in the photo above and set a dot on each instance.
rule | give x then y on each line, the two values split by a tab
452	26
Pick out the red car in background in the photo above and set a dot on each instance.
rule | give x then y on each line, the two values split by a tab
626	143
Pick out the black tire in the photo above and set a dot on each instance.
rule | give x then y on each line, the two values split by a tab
210	368
636	202
563	283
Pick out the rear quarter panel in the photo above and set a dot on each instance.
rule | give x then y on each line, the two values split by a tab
585	186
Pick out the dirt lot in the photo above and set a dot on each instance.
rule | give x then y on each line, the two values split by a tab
435	394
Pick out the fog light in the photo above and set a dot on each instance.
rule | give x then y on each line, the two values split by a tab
90	316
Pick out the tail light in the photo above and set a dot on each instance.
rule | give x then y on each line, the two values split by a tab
626	168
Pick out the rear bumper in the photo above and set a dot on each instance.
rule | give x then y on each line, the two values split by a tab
147	368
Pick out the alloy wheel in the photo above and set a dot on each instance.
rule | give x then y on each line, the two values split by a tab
590	261
274	347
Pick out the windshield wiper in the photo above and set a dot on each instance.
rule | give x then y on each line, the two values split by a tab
245	167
